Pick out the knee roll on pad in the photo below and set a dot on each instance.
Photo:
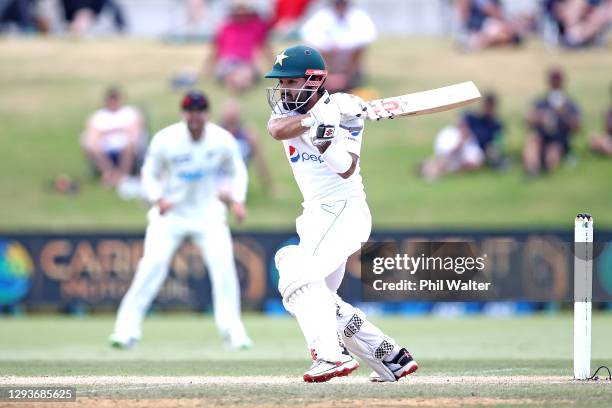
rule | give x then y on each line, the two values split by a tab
295	270
282	253
309	292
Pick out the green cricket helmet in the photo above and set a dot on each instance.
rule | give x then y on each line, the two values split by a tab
299	61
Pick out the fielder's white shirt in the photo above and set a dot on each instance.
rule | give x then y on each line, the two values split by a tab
326	31
187	172
317	182
114	127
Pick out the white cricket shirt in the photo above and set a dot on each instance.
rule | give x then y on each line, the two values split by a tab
114	127
317	182
187	172
327	31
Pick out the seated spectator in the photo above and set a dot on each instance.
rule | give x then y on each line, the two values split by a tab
115	140
603	144
468	146
483	25
552	120
17	12
238	44
487	129
287	16
248	143
82	14
579	23
341	32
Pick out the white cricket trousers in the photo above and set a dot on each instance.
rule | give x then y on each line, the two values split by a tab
332	232
163	236
329	233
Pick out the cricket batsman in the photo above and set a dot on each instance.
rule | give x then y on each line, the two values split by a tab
321	135
180	176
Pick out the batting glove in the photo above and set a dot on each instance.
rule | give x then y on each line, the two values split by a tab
350	106
325	112
321	134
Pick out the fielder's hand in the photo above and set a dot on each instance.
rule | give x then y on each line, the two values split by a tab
239	211
163	205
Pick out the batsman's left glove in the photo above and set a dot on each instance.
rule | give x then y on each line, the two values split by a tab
321	134
324	121
350	106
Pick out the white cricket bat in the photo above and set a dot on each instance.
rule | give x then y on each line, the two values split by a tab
423	103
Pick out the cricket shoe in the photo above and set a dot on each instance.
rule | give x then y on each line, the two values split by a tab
322	370
122	344
401	365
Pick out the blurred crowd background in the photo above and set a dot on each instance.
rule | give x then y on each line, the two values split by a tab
241	31
86	83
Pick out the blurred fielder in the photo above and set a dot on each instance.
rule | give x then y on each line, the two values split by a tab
180	175
336	219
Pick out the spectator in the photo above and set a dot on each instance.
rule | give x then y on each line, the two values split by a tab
341	32
238	44
468	146
248	144
114	140
196	10
81	14
579	23
552	120
603	144
287	16
18	12
487	129
483	25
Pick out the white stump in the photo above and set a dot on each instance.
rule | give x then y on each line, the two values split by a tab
583	287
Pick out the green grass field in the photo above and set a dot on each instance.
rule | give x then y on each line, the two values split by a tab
476	361
49	86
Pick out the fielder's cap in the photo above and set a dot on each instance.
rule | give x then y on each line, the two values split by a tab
194	100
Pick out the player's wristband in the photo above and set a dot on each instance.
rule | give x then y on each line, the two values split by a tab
337	159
